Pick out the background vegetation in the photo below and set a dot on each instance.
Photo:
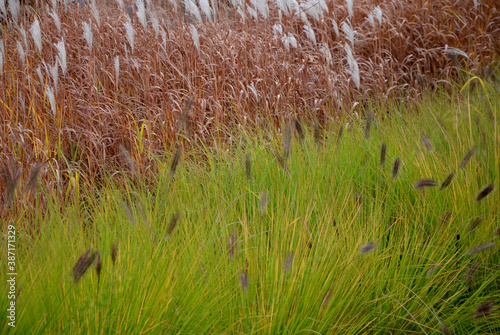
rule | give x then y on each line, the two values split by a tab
79	82
207	175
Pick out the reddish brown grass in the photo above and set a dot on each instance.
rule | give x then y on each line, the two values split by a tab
243	74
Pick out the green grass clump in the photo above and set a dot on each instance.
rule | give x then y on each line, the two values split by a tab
391	227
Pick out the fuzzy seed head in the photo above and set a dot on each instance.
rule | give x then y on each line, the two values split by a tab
308	30
288	262
195	37
348	31
126	155
325	51
87	33
483	310
36	32
326	298
192	9
117	69
20	51
481	248
350	7
3	10
299	129
468	157
383	154
368	126
446	218
484	192
335	28
83	264
340	133
289	41
472	270
61	56
57	22
141	14
395	168
98	266
277	29
280	160
447	181
114	254
206	9
378	14
11	177
129	30
287	141
155	23
353	66
244	280
95	13
173	223
473	225
49	91
241	13
371	20
14	8
425	183
427	142
263	202
262	7
33	179
54	73
175	161
444	329
496	232
368	247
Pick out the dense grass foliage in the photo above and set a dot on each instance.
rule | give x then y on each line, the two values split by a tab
77	82
353	228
